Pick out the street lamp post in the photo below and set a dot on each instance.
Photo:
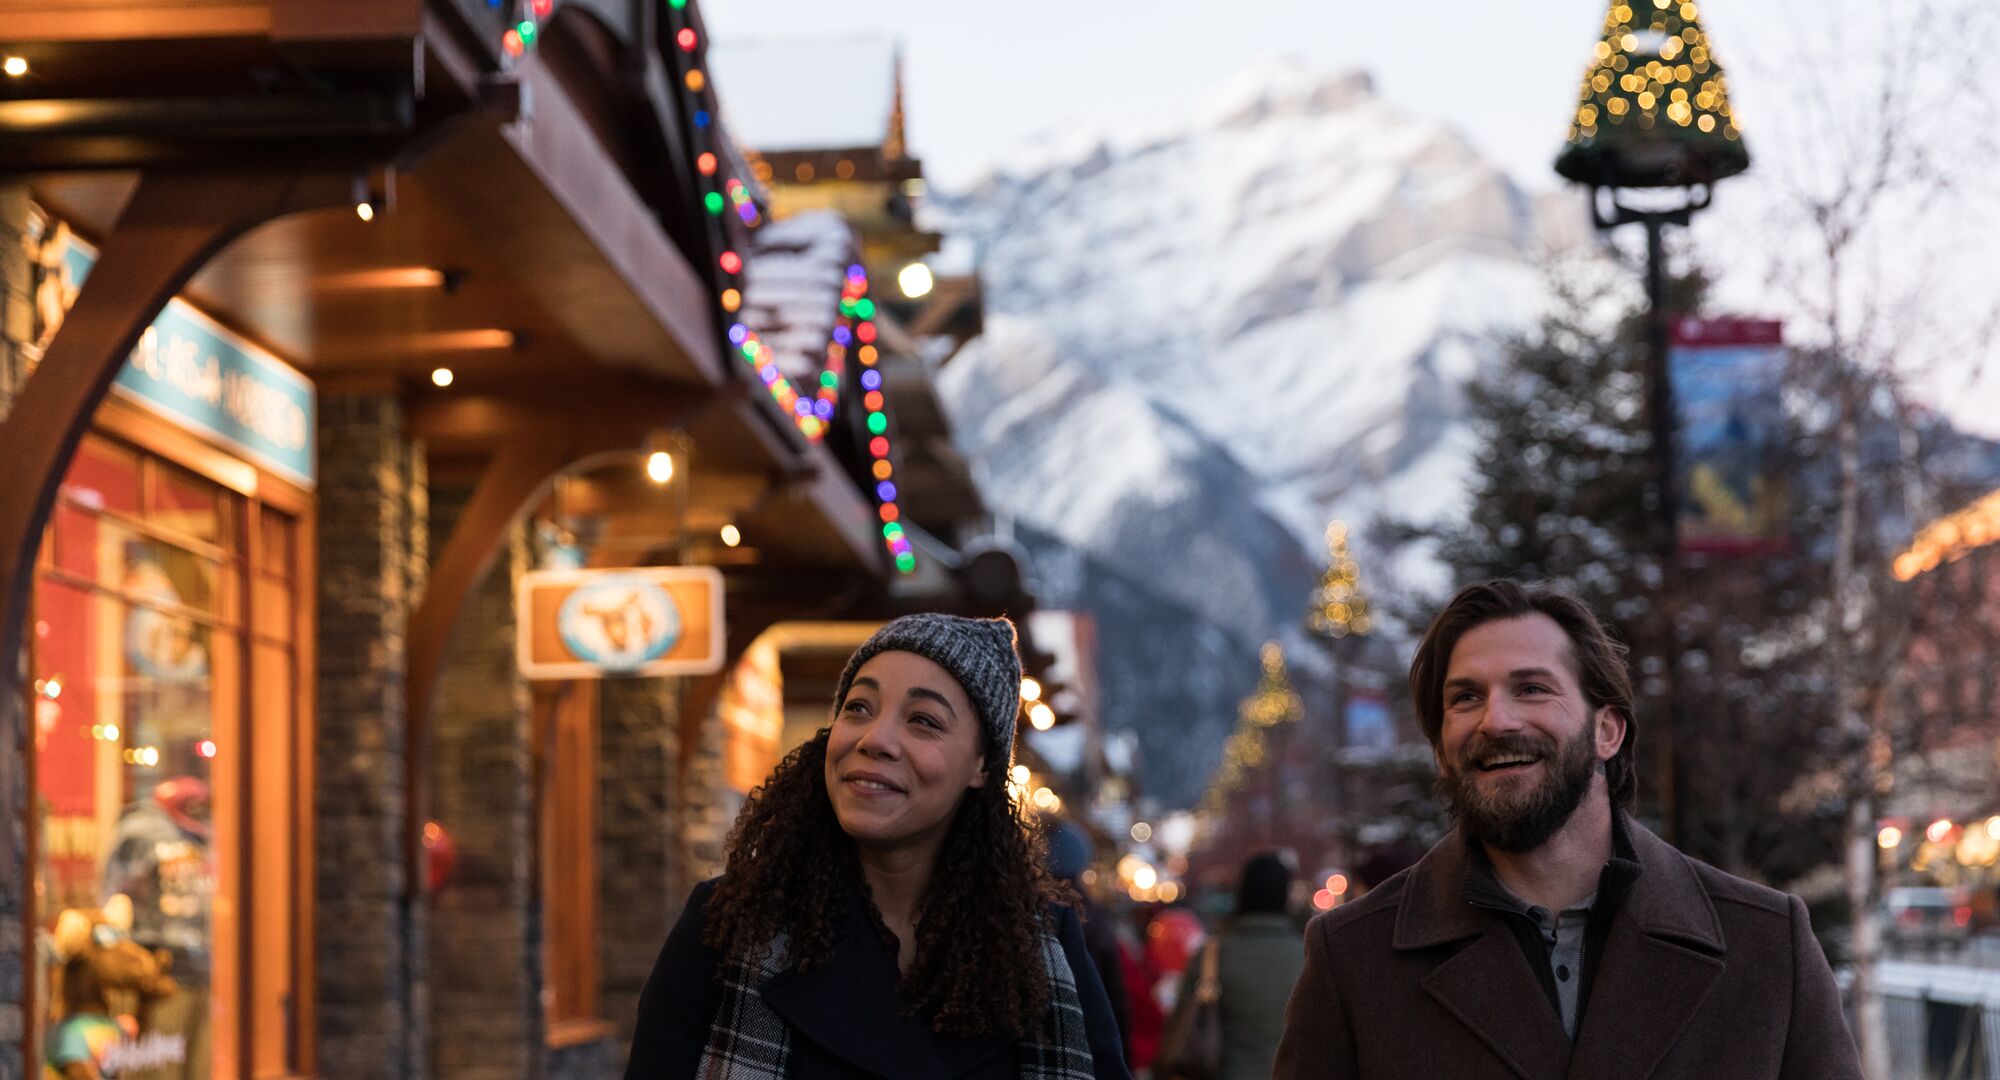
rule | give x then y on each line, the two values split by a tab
1654	116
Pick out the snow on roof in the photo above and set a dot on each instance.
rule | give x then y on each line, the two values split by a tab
791	290
805	93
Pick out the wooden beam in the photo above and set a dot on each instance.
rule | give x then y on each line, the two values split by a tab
551	405
94	22
555	200
172	225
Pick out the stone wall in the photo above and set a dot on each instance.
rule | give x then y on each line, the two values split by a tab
369	931
641	873
602	1059
16	293
14	327
486	974
710	803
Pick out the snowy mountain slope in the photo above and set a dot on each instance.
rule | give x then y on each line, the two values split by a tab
1204	343
1294	270
1125	479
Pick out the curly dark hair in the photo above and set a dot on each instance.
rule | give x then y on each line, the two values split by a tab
978	969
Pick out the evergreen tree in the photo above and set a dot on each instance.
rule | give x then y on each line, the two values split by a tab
1561	493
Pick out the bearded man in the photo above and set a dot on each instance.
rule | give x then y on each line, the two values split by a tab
1549	935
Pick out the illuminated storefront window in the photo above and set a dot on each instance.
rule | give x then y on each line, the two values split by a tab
163	652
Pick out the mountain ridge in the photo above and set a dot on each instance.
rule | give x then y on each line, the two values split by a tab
1203	346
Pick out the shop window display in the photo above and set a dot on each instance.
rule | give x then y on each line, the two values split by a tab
137	639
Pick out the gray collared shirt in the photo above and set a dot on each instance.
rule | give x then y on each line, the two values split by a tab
1563	931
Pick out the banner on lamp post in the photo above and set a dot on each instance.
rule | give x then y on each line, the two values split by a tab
641	621
1728	384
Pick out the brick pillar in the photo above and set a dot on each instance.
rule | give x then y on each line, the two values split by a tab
372	544
17	316
487	1021
640	873
15	324
17	327
709	804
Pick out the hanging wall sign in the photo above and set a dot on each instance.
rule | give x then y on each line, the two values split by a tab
595	624
1728	378
195	372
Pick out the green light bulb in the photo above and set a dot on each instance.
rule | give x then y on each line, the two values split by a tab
713	200
877	423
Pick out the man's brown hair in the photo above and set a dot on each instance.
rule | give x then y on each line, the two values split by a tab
1597	659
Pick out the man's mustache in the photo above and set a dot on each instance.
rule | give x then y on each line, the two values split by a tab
1483	746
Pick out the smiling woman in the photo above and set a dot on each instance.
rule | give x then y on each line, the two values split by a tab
885	911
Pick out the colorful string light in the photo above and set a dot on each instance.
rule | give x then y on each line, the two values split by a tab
854	331
523	21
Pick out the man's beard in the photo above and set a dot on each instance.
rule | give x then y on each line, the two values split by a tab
1523	818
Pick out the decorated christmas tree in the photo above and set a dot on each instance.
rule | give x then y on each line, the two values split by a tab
1338	608
1274	702
1654	108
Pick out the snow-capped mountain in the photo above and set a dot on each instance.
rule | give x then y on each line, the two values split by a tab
1203	346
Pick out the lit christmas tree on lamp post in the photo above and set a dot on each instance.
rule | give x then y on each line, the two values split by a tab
1251	748
1337	614
1654	114
1338	608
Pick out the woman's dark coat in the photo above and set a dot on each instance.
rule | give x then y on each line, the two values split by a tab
850	1019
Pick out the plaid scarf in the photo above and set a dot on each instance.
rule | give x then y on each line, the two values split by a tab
749	1041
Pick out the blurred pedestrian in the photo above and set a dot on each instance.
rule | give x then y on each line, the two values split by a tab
1141	975
1070	852
884	910
1257	956
1549	934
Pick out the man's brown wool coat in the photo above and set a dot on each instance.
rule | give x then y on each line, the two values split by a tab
1703	975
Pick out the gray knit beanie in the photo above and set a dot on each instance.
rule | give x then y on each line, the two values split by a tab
980	653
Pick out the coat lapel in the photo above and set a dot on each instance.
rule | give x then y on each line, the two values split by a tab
1487	985
1664	953
850	1007
1490	989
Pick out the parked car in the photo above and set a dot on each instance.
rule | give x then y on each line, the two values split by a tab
1927	918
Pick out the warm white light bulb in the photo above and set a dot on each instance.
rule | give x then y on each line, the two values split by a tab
365	211
915	280
659	466
1042	717
731	536
15	66
1031	690
441	376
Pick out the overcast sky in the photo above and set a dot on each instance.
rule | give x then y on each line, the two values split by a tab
985	80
